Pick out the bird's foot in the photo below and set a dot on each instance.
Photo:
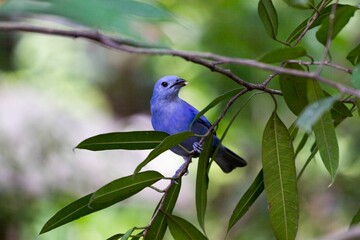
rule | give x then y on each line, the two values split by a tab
182	171
197	147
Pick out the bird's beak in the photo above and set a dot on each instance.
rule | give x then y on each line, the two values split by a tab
180	82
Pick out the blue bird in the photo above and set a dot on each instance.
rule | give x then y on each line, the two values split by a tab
172	115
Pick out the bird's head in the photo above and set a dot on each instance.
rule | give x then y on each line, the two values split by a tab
168	87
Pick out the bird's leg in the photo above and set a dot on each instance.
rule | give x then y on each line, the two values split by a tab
198	147
183	169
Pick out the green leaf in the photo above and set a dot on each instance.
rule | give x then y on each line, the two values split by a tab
137	237
183	230
202	181
300	4
116	236
293	131
356	219
339	111
80	207
110	15
166	144
247	200
158	227
283	54
325	131
301	144
342	17
280	179
314	112
314	150
355	77
302	26
124	140
294	90
268	16
354	55
123	188
357	102
71	212
127	234
216	101
239	109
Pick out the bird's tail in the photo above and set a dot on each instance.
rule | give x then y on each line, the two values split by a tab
228	160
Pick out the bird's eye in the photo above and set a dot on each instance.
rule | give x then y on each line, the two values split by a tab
164	84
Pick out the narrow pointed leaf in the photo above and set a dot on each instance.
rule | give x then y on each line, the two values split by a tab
138	237
357	102
232	121
166	144
356	219
301	144
298	30
123	188
123	140
247	200
116	236
268	16
338	111
294	90
127	234
293	131
216	101
354	55
183	230
80	207
314	112
342	17
283	54
313	150
71	212
280	179
202	182
158	227
324	131
355	76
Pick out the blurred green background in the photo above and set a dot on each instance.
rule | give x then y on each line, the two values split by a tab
55	92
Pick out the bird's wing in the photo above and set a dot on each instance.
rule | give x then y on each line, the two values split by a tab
201	125
203	120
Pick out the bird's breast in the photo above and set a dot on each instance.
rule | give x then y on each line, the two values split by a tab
171	119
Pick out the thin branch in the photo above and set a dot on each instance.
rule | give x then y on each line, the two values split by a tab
294	72
179	174
157	189
159	208
329	37
130	47
325	63
301	36
209	60
311	21
223	113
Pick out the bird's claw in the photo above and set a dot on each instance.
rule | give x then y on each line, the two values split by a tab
197	147
177	175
